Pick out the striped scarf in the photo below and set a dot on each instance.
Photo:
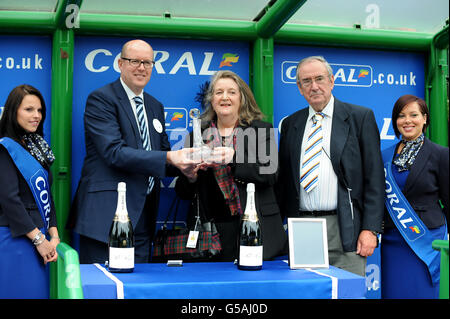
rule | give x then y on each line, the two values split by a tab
223	175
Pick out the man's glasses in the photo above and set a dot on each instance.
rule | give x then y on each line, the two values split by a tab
321	79
137	63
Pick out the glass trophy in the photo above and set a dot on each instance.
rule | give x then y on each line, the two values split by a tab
203	152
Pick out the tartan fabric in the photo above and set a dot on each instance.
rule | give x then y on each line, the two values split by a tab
175	243
171	243
224	178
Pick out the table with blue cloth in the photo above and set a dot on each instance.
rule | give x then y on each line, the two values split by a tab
220	280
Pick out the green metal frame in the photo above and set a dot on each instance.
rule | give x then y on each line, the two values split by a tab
437	87
68	272
271	28
262	79
442	246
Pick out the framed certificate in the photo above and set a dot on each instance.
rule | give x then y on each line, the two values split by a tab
308	245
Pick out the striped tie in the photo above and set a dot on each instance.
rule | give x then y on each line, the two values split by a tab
309	173
144	133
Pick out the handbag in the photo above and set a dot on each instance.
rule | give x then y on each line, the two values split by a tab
170	244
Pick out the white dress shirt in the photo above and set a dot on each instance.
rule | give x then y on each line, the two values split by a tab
324	195
131	95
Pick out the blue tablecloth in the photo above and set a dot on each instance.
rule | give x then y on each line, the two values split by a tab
220	280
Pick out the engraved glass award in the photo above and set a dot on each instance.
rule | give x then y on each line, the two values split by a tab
203	151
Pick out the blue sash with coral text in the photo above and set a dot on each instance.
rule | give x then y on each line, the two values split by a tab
35	175
410	226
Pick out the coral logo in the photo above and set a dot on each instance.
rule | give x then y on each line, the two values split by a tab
176	118
352	75
344	74
363	73
415	229
228	58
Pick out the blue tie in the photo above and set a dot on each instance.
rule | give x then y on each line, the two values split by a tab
143	130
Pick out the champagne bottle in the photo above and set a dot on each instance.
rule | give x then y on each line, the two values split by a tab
121	239
250	237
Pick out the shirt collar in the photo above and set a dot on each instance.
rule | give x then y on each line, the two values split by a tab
130	93
328	110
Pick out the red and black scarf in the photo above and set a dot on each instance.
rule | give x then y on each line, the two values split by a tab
223	175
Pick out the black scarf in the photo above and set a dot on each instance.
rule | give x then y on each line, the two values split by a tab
408	154
38	147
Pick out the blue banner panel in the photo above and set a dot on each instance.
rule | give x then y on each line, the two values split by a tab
181	67
375	79
26	60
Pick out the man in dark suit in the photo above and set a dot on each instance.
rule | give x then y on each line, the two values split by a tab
125	142
343	181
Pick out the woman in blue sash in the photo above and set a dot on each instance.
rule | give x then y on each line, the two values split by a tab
417	199
28	233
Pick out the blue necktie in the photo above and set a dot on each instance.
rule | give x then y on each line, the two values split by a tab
143	130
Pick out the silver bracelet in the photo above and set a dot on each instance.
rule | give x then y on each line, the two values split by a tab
38	239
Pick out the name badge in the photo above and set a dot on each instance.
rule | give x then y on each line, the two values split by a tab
157	125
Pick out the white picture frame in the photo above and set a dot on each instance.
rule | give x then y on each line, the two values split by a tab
308	245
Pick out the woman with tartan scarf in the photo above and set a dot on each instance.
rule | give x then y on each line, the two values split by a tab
25	247
420	169
243	151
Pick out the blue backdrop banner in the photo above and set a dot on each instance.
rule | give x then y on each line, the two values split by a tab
26	60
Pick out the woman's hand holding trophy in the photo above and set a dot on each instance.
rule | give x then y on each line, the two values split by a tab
207	154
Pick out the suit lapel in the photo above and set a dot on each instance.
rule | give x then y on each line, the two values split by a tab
151	126
418	166
125	104
339	134
296	140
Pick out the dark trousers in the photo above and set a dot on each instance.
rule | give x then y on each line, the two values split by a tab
94	251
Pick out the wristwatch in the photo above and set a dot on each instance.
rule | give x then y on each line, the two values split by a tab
376	235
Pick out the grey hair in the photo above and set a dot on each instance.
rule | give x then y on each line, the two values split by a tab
315	58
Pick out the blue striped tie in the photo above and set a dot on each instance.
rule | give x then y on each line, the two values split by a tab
309	171
143	130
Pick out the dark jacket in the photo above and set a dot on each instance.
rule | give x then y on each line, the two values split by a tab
427	185
18	209
251	170
114	153
356	160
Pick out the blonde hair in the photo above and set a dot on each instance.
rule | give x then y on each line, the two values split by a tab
248	110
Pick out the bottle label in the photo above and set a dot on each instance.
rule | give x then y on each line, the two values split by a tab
121	258
121	211
250	216
250	255
121	218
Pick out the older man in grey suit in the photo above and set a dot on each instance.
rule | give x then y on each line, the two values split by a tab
330	167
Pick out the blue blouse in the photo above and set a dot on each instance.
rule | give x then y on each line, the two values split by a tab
400	177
